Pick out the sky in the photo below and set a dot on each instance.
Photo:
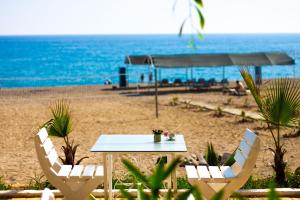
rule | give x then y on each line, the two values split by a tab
47	17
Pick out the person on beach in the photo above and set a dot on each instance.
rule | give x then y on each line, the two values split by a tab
142	78
150	77
107	82
239	88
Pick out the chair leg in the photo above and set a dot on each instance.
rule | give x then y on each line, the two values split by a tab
83	189
206	190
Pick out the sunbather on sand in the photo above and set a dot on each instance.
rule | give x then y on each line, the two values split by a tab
238	90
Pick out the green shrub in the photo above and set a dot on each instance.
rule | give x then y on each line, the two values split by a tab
174	101
262	183
39	182
3	186
219	112
214	159
211	156
293	179
182	183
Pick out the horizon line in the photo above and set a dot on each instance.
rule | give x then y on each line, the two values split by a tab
138	34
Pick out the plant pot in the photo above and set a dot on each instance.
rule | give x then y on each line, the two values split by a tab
157	138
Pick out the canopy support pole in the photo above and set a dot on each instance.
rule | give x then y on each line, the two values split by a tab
223	78
156	93
258	75
156	89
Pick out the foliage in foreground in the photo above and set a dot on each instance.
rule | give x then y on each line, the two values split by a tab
279	105
156	181
197	6
60	125
3	186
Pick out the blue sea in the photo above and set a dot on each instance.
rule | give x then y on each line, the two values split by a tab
42	61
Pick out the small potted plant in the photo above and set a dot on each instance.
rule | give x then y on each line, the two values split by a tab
171	137
157	135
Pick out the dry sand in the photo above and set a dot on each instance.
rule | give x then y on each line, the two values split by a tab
96	111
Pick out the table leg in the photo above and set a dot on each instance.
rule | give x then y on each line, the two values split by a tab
105	176
173	175
110	168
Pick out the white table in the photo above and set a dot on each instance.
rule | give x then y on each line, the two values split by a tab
120	144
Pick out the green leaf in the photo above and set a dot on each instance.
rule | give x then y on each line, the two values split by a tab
196	193
134	171
200	36
201	17
211	156
272	194
230	161
126	194
92	197
199	2
141	194
181	28
60	125
171	167
191	43
169	195
218	195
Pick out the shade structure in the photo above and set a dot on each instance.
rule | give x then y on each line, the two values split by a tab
211	60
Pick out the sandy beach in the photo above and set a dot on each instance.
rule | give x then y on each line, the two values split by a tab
97	110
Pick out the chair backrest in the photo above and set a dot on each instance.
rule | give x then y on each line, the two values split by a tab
246	153
46	152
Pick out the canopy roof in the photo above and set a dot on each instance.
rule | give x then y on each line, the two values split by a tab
211	60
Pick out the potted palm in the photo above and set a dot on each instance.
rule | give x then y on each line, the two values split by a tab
60	125
279	105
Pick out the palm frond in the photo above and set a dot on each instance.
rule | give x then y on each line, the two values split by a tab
218	195
169	195
282	103
158	176
171	167
134	171
60	125
126	194
252	86
142	195
211	156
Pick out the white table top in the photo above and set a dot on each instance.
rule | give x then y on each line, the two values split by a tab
137	143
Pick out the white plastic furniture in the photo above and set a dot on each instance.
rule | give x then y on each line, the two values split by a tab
211	179
47	195
75	183
111	145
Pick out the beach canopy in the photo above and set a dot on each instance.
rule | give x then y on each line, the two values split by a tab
210	60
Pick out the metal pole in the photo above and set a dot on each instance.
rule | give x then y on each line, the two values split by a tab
156	93
223	79
258	75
